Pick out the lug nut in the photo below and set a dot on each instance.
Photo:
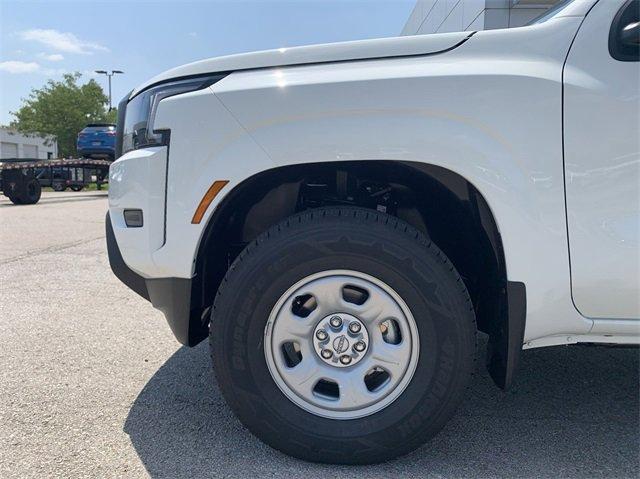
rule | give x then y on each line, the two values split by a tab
355	327
321	334
345	359
335	322
326	353
360	346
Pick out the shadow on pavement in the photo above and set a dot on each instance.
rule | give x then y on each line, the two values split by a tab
573	412
49	200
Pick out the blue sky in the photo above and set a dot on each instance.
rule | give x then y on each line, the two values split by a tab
42	39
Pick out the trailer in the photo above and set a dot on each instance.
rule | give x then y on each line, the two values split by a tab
21	180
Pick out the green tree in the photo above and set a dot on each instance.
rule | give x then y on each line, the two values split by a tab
63	108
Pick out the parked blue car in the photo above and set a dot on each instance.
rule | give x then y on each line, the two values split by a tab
97	140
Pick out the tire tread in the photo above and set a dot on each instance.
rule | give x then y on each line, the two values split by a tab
302	220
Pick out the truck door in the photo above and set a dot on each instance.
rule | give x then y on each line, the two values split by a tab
602	161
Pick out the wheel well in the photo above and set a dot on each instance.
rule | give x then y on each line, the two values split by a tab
437	201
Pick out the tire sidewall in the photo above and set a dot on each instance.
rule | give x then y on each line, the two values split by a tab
37	192
411	266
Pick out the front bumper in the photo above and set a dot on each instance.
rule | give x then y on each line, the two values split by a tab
172	296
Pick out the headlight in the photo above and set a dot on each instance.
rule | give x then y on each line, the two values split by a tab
136	116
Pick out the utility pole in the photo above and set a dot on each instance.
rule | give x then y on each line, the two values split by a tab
109	75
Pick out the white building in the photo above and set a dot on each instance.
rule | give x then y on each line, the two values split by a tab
18	145
439	16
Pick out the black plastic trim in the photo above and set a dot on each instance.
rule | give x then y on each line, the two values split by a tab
505	343
628	13
125	274
210	77
172	296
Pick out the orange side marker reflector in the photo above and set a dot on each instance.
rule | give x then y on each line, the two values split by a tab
208	197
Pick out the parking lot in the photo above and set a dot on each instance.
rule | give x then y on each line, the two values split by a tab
93	384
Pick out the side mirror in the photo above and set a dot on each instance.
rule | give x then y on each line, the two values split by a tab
630	35
624	34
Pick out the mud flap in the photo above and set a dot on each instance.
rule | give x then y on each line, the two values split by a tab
505	342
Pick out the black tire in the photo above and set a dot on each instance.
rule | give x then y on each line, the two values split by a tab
77	187
31	192
14	199
378	245
58	187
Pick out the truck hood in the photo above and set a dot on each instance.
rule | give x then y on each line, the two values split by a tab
313	54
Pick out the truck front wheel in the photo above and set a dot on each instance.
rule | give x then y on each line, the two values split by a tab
343	335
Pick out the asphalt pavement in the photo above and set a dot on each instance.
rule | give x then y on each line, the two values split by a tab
92	384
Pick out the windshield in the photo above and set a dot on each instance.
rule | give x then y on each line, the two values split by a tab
552	12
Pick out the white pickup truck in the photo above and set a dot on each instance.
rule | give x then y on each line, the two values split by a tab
340	220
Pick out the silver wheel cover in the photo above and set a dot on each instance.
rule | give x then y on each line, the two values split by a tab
345	372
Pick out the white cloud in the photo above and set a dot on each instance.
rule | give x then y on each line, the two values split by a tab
53	57
17	67
62	41
54	72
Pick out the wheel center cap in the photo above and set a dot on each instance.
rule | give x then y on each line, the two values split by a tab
340	340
